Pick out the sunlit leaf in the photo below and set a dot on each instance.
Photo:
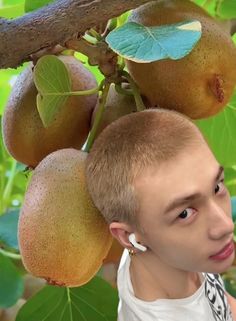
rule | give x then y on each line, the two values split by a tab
146	44
8	228
12	11
35	4
96	300
51	78
11	283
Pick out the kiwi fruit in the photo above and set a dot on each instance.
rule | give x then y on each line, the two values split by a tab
63	238
25	137
198	85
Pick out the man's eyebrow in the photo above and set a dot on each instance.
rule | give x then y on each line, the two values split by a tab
184	199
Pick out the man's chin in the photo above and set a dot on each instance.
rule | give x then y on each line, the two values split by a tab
220	266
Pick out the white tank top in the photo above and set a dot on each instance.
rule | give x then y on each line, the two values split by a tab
208	303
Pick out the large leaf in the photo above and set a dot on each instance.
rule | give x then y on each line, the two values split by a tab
35	4
220	132
8	228
52	79
11	283
146	44
94	301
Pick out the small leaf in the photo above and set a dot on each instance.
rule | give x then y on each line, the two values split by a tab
96	300
52	79
146	44
36	4
11	282
220	132
8	228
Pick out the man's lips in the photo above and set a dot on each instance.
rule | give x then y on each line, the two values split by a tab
224	252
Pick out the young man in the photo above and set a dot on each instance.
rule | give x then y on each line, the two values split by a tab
161	190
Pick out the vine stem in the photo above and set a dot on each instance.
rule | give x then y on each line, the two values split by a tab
10	255
98	117
8	187
137	97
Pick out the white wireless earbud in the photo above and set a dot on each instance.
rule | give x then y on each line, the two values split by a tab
135	244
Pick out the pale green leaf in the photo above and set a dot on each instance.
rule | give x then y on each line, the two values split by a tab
94	301
146	44
52	79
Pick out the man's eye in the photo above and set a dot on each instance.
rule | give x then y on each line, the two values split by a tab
220	187
186	213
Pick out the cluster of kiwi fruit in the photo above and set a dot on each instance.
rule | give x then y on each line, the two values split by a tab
62	236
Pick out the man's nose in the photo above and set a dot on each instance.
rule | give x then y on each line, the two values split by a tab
221	224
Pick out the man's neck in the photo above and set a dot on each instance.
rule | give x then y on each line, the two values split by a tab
152	280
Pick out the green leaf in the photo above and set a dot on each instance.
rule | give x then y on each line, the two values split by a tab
96	300
52	79
36	4
220	132
12	287
12	11
8	228
227	9
146	44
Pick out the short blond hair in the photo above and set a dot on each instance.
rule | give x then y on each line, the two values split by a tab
124	149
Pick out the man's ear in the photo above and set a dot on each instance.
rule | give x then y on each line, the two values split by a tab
121	232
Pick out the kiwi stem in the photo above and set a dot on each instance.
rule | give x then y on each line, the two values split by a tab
137	97
98	117
10	255
90	39
8	187
76	93
123	91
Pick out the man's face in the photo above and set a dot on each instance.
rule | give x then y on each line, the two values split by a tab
187	235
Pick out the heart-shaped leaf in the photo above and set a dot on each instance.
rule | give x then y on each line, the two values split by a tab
8	228
52	80
146	44
220	132
11	282
96	300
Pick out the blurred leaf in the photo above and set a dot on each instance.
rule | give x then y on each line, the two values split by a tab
229	278
96	300
12	11
233	203
220	132
146	44
35	4
8	228
226	9
11	283
51	78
